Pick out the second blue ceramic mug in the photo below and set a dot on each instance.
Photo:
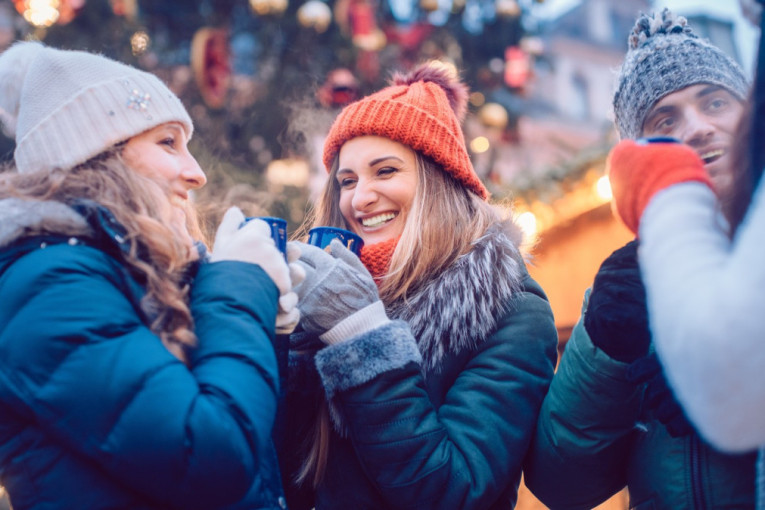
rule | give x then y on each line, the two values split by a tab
322	236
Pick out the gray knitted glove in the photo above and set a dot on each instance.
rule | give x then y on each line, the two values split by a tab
338	298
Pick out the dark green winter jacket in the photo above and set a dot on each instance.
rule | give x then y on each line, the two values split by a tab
596	435
436	410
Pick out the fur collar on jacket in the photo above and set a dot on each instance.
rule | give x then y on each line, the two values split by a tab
24	218
460	308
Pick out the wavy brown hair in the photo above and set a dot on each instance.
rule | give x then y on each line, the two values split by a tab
141	206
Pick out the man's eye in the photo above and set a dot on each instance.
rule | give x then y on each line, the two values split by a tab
716	104
664	124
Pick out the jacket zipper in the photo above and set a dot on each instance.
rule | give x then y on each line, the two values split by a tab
696	487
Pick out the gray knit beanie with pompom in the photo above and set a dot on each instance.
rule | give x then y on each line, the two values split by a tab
664	56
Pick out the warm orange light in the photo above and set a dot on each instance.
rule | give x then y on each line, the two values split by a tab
528	223
603	189
40	13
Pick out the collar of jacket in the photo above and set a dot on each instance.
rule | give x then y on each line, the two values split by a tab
84	219
459	309
30	218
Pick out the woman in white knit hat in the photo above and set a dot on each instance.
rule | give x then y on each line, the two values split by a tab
137	371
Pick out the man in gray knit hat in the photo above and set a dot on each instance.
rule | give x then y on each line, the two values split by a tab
609	419
673	83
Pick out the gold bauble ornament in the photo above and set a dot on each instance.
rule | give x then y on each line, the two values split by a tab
493	115
315	14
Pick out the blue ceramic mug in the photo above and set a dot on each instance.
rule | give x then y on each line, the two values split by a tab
322	236
278	228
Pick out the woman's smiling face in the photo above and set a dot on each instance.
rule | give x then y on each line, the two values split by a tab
162	154
378	180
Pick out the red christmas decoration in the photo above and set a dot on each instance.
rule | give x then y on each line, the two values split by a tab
341	88
209	61
517	67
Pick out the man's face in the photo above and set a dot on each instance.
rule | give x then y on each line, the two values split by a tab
705	117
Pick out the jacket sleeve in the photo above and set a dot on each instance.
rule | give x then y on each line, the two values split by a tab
706	297
464	453
577	456
79	363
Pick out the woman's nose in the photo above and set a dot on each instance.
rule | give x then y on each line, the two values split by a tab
364	195
192	174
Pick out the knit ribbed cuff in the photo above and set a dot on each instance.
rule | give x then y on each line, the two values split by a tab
366	319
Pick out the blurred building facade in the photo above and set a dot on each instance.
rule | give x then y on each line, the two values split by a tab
555	170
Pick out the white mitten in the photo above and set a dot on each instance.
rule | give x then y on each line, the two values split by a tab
252	243
289	315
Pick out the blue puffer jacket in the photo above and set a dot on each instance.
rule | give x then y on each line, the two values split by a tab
95	413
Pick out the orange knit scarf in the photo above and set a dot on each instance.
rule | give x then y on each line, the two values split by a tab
376	257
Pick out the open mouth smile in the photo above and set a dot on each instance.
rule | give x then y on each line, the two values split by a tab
378	220
710	156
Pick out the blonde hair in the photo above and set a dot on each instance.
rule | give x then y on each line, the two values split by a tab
443	223
158	255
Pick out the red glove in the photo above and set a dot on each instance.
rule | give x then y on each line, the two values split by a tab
637	170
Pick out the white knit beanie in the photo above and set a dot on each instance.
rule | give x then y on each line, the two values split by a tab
64	107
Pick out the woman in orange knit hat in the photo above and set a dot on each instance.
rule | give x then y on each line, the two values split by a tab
431	353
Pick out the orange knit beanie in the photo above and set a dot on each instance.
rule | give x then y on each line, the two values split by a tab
422	110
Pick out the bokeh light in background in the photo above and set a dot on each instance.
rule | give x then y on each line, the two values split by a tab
528	223
139	42
603	189
40	13
480	144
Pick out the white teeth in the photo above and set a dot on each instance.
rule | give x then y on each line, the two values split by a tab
712	154
378	220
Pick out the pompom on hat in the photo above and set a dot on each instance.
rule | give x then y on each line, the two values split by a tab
422	110
64	107
665	56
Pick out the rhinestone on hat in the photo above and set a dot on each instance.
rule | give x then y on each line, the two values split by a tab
138	100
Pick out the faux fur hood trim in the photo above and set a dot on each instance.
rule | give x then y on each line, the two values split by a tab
24	218
459	309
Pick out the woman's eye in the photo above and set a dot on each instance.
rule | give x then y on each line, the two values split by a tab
387	170
168	141
344	183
